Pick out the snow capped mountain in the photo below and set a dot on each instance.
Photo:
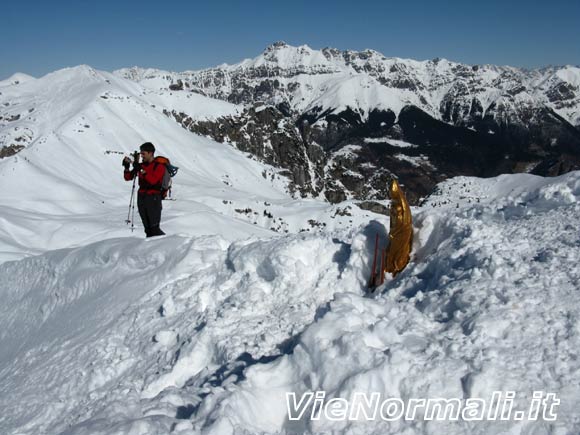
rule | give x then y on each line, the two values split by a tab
480	120
428	82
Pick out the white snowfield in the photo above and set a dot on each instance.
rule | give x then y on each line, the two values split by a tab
206	330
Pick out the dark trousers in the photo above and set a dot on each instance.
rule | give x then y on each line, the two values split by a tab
150	211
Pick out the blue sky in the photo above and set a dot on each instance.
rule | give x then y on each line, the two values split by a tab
37	37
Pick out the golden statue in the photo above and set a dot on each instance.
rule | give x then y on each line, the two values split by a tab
397	253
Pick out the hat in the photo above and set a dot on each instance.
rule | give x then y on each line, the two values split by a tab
148	146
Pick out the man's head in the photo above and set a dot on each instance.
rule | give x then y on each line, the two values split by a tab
147	152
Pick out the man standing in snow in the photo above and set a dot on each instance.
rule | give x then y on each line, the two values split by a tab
150	175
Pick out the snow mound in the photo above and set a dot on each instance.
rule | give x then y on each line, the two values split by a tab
515	190
128	333
489	303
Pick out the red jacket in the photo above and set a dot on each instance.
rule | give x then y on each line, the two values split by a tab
150	177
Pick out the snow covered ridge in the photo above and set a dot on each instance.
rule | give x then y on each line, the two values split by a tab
201	334
31	108
304	77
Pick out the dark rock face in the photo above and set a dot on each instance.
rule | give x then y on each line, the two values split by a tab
271	136
562	92
10	150
177	86
375	207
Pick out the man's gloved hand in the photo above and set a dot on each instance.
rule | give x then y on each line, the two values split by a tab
136	166
126	163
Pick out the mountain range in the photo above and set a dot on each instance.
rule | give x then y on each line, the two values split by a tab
342	122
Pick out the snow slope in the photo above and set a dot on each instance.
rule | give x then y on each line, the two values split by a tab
66	188
188	335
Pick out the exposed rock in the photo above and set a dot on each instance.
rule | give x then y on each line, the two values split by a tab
177	86
373	206
265	132
10	150
562	91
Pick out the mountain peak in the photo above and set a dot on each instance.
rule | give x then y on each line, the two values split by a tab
281	46
79	70
276	45
285	56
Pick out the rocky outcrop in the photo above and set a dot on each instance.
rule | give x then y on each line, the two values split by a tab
267	133
7	151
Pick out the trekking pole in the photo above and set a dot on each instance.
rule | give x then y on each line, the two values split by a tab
131	204
373	279
133	212
383	264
